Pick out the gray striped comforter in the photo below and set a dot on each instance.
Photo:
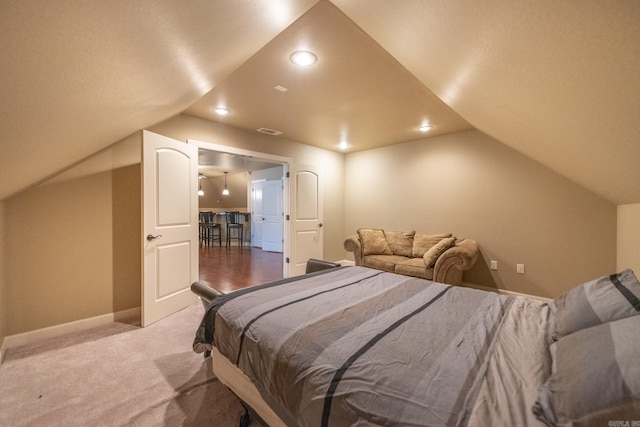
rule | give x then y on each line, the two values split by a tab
356	346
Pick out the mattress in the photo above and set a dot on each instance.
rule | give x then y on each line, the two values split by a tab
357	346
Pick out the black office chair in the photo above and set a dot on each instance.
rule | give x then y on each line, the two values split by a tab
234	223
209	229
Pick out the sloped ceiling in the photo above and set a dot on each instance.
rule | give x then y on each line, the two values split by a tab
77	76
356	92
557	81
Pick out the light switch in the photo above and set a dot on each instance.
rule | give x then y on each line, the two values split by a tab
520	268
494	265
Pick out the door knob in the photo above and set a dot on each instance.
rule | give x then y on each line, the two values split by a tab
320	225
151	237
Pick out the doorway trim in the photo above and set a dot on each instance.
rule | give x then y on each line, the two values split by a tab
285	162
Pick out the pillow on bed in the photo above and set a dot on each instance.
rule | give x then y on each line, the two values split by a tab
431	256
423	242
373	242
400	242
596	376
602	300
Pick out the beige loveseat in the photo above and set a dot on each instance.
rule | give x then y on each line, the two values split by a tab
438	257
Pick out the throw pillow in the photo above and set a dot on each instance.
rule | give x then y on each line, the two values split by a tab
373	242
431	256
598	301
596	376
400	242
423	242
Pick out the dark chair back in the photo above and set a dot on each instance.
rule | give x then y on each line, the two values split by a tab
206	218
234	223
209	228
233	217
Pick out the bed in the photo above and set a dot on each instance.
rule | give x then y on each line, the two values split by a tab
357	346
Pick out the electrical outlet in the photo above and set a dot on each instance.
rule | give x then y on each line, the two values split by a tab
494	265
520	268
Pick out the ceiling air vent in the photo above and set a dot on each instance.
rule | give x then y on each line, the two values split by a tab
269	131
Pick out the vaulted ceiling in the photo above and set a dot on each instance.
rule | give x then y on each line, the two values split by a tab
556	81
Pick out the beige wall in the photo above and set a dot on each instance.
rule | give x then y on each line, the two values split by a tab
473	186
185	127
629	237
3	309
238	185
126	199
73	250
213	198
73	244
84	259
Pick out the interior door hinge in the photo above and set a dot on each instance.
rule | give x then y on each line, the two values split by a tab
287	217
287	260
288	174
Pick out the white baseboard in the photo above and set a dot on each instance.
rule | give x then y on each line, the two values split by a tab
131	315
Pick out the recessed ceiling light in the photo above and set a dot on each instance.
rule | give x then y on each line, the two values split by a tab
303	58
343	145
425	128
222	111
280	88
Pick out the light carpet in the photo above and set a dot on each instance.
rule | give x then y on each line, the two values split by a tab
116	375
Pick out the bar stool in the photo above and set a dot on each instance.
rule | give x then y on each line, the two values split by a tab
234	223
208	228
203	228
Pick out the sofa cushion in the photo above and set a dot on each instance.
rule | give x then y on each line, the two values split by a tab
423	242
383	262
373	242
414	267
431	256
400	242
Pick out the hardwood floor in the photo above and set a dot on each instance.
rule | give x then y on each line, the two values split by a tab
227	270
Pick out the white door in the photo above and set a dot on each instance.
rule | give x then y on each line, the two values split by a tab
257	217
306	217
272	216
170	226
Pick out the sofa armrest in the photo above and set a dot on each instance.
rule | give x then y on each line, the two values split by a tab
205	292
352	244
454	261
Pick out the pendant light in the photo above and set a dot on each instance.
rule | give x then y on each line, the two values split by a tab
200	192
225	192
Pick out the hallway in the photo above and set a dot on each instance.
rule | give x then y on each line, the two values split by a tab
227	270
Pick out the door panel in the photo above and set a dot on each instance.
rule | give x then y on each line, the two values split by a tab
173	268
272	214
307	196
306	221
173	169
170	226
257	217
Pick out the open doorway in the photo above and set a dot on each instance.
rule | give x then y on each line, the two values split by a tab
247	179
